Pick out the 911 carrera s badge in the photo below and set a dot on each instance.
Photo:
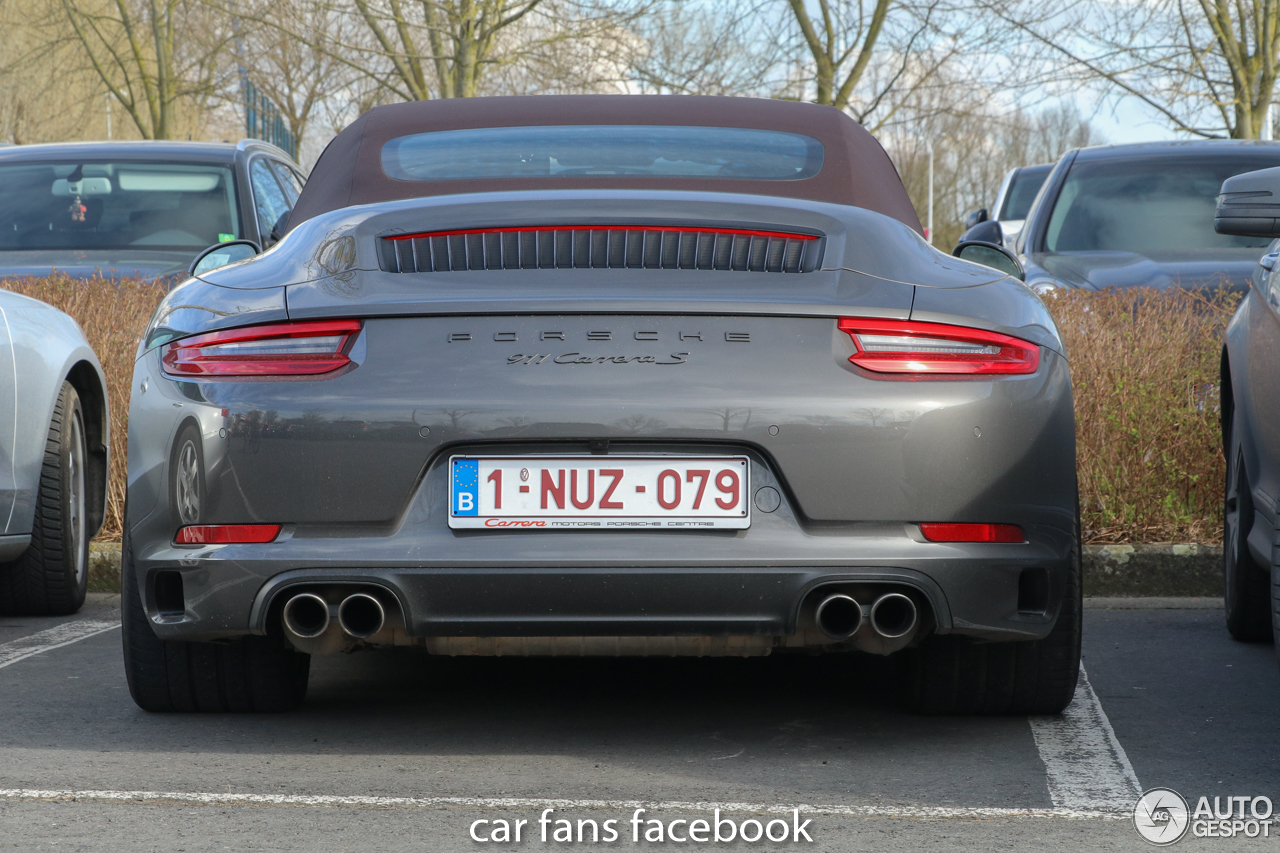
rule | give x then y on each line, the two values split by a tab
603	493
580	358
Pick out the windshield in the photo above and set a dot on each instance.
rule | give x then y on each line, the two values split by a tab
1022	191
84	205
1147	205
652	151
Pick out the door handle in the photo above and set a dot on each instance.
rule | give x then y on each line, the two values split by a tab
1268	261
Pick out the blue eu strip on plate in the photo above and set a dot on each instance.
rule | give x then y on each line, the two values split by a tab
466	486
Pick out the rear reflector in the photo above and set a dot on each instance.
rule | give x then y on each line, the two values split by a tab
972	532
909	347
226	534
279	349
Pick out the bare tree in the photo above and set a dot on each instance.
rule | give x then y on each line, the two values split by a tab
870	57
302	78
974	146
841	43
1208	67
150	55
568	47
439	47
710	48
423	49
47	93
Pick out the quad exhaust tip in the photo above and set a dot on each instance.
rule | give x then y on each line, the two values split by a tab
361	615
894	615
306	615
839	616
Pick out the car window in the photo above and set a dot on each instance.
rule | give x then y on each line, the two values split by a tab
653	151
112	205
269	200
1148	205
1022	191
288	180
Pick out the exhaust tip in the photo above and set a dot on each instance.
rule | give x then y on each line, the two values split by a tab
894	615
306	615
839	616
361	615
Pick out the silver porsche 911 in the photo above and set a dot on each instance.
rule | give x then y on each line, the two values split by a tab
602	375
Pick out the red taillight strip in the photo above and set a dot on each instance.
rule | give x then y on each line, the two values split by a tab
744	232
199	355
226	534
950	532
1013	356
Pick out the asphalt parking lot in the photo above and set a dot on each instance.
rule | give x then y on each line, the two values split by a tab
398	751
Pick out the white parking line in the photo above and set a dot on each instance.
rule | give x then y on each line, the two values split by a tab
53	638
304	800
1087	771
1085	765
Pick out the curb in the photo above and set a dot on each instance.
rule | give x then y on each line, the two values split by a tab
1153	570
104	567
1109	570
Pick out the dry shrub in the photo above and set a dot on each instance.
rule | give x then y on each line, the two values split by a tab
113	314
1144	368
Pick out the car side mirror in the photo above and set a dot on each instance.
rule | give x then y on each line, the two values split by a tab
277	230
990	255
1249	205
988	231
221	254
979	215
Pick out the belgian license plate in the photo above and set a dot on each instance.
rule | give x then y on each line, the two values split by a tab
600	492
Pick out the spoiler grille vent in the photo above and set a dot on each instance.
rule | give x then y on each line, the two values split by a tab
600	247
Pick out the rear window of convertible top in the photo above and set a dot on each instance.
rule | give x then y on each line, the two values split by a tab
591	151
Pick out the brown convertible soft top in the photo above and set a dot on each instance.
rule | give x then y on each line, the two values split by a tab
855	169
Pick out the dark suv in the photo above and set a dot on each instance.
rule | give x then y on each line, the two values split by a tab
143	208
1141	215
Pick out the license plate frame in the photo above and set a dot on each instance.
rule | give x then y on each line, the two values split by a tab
708	481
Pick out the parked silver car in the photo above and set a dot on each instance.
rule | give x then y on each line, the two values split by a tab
1017	191
53	457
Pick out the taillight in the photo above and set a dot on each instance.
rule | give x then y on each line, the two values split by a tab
910	347
947	532
226	534
279	349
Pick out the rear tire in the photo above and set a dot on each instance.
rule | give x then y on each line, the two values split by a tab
1246	585
52	575
245	675
953	675
1275	608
